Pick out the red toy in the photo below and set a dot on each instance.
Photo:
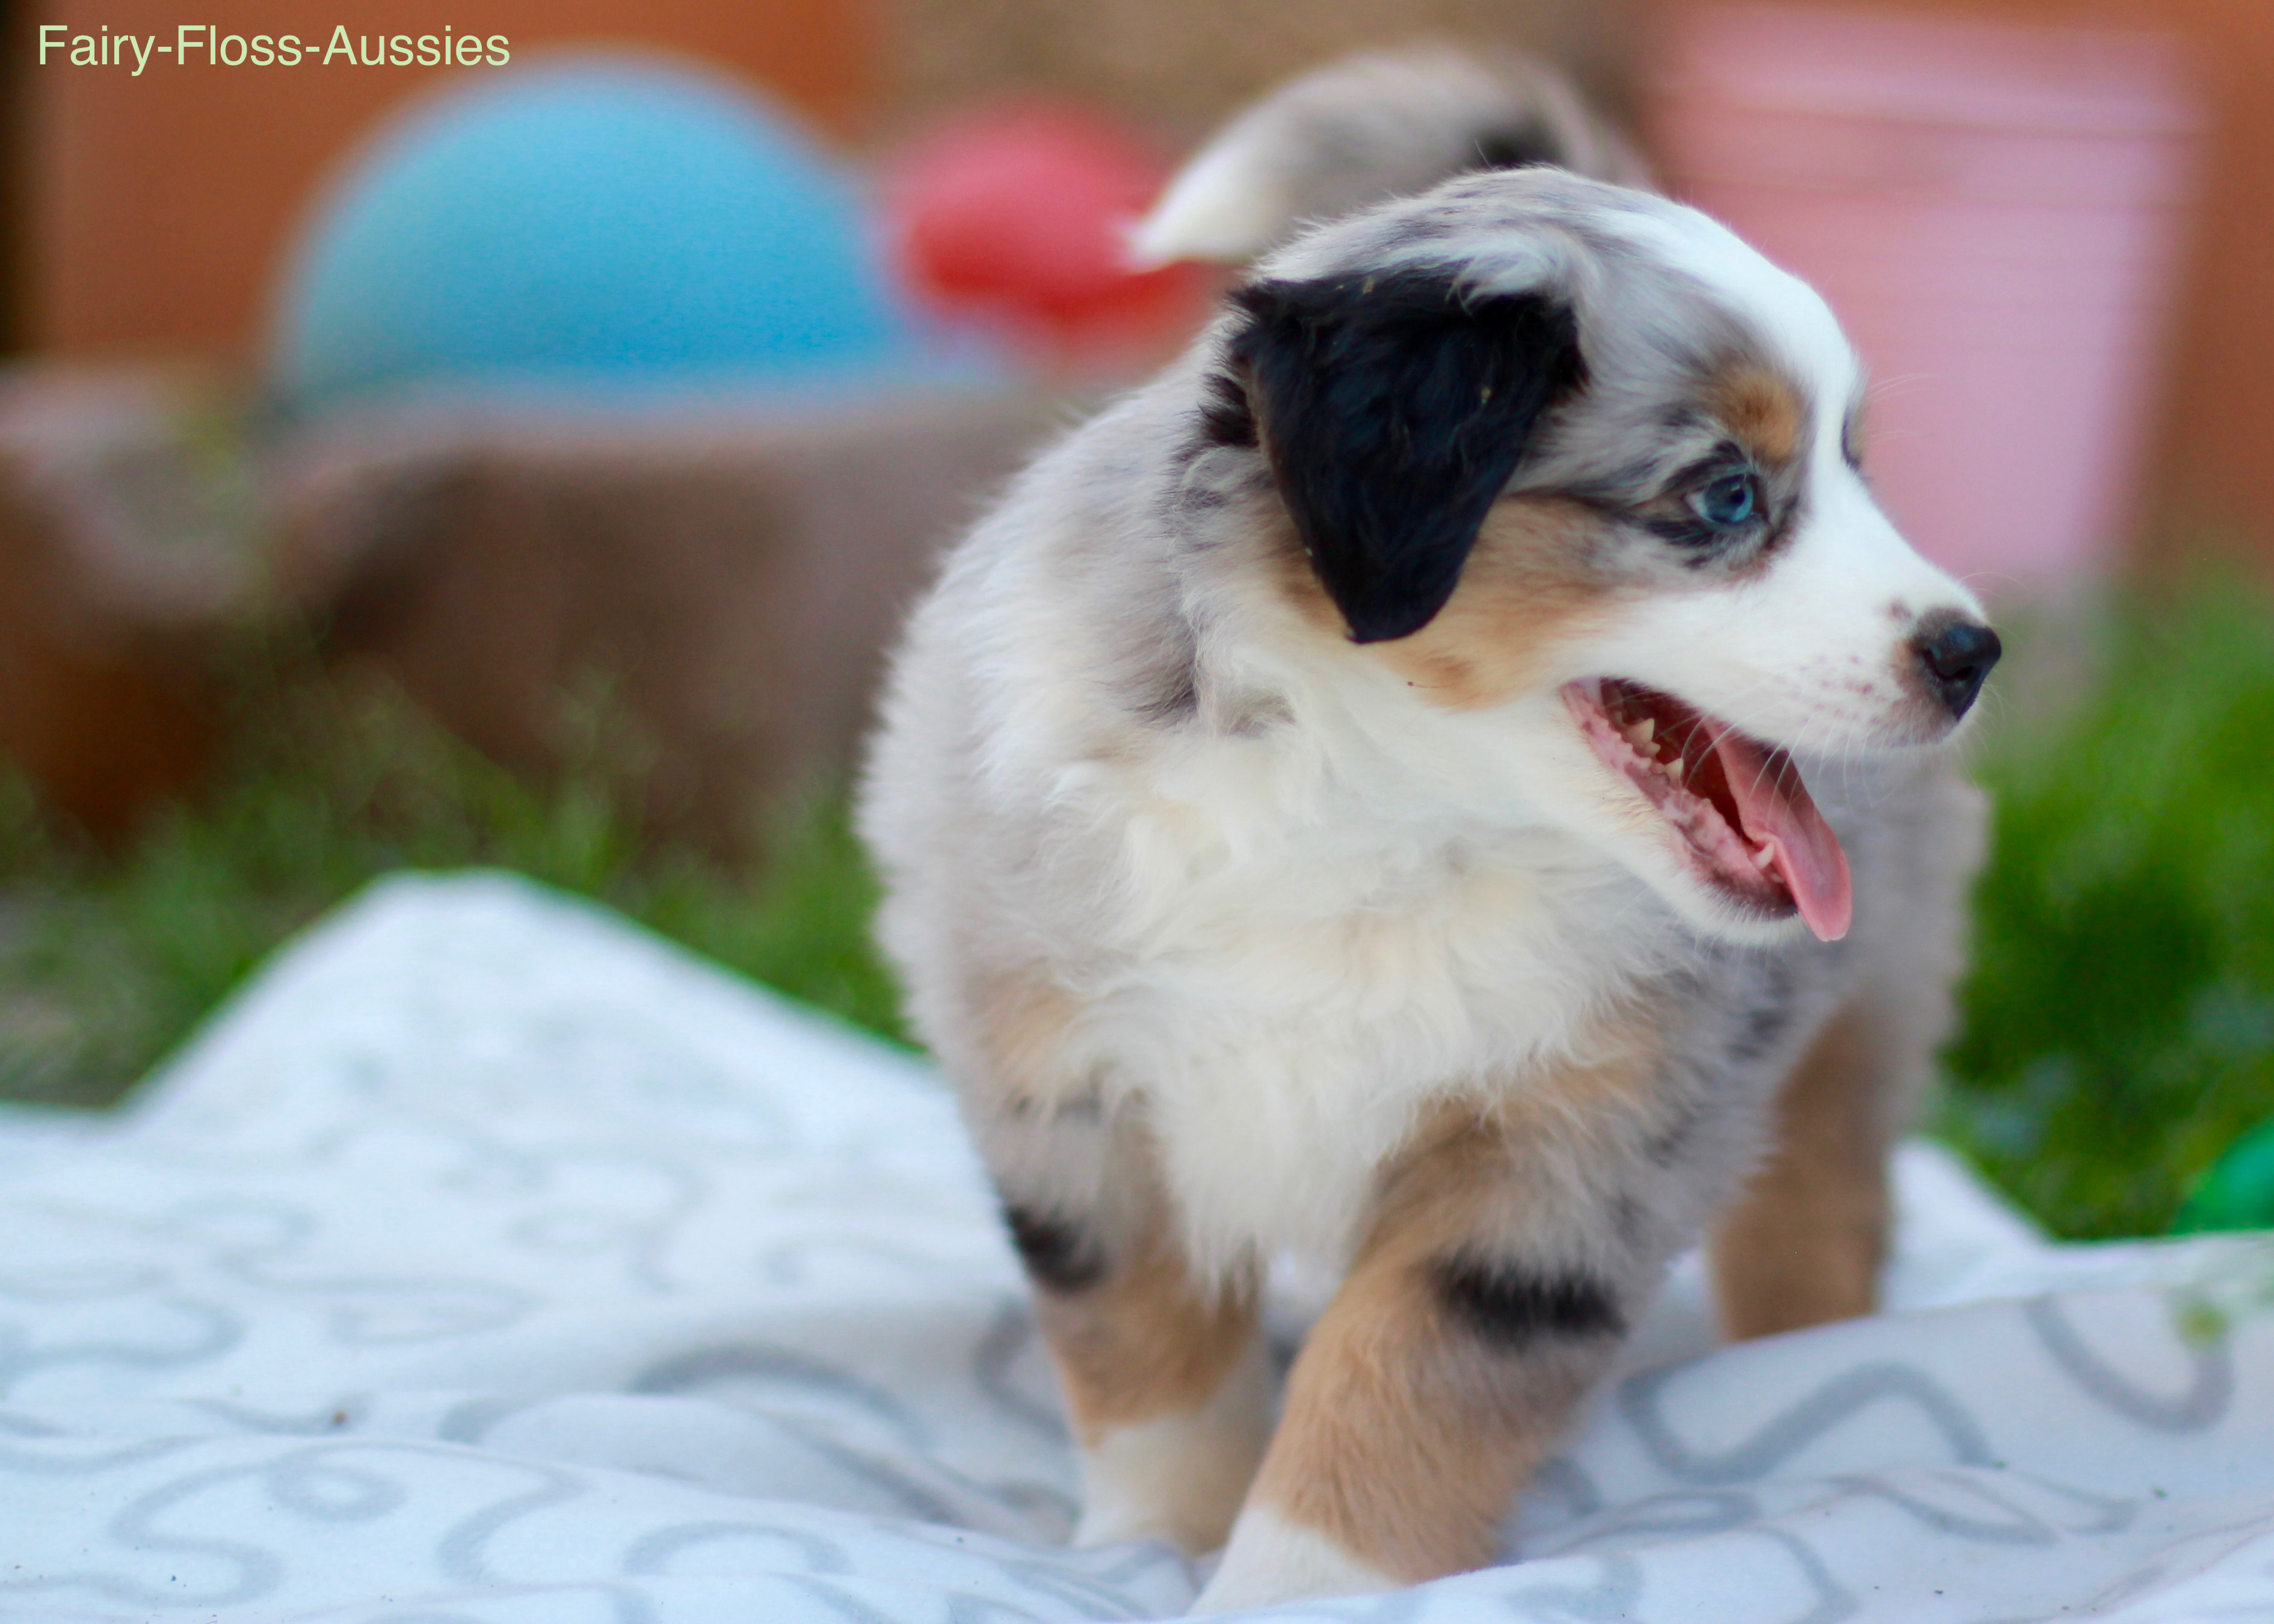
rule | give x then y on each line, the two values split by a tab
1019	216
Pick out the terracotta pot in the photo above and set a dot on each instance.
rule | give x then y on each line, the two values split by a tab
1994	211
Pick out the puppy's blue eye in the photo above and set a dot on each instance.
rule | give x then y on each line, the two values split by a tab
1729	502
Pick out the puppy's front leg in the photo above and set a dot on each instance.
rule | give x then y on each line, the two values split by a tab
1165	1374
1806	1243
1438	1377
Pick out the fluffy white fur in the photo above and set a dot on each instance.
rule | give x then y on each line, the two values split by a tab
1273	1561
1156	1480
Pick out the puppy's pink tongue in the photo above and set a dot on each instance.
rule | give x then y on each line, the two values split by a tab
1778	813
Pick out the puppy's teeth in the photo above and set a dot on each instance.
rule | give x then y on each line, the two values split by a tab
1673	770
1643	732
1763	858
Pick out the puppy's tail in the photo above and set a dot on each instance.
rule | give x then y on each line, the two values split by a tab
1368	128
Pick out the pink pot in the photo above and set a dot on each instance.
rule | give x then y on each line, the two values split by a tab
1994	211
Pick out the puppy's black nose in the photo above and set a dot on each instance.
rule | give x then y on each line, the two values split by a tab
1956	655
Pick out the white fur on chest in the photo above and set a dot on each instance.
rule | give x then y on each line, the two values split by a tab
1288	990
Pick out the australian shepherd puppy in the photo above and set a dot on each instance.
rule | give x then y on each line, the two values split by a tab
1449	780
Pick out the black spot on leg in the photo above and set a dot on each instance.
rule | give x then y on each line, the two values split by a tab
1510	1308
1058	1254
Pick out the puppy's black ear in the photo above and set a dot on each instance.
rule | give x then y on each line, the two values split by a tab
1393	408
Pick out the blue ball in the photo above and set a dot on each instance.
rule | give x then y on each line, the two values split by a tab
597	222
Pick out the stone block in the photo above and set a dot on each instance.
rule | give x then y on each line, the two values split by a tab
126	549
732	575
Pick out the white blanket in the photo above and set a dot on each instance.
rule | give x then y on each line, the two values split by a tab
489	1259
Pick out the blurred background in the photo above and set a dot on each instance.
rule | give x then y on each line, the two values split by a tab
525	462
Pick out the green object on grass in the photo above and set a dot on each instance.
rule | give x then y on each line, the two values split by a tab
2238	1192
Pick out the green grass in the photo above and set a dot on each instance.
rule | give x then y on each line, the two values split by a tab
2118	1023
106	963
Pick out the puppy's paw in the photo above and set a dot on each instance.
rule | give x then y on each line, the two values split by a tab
1179	1477
1271	1559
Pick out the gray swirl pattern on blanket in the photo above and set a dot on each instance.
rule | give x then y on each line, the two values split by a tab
489	1260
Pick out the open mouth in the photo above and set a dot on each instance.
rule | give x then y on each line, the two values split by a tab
1737	811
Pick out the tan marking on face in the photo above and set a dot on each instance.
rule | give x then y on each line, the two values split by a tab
1804	1244
1404	1438
1764	412
1297	580
1524	588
